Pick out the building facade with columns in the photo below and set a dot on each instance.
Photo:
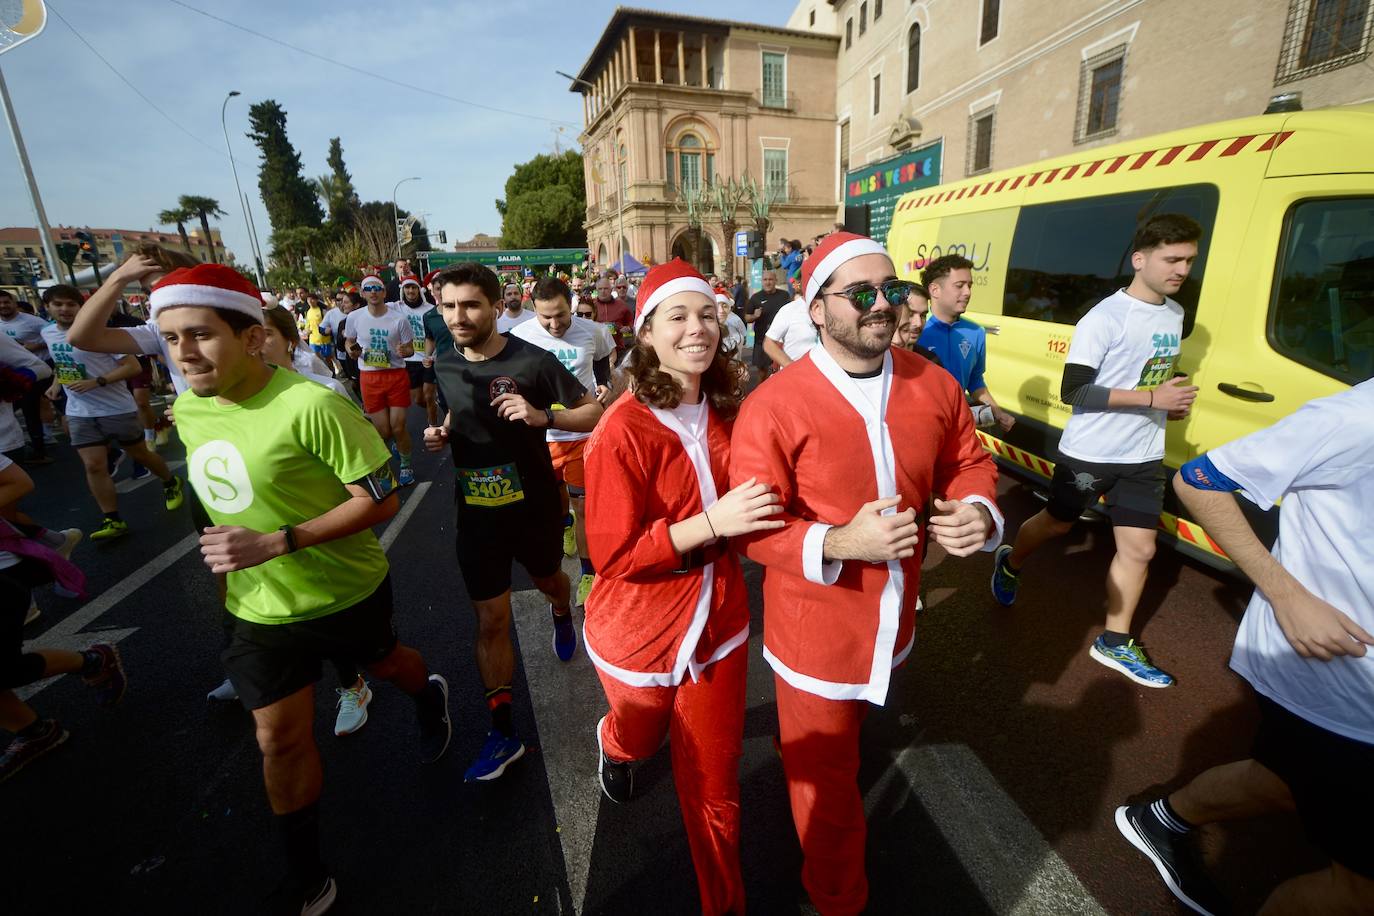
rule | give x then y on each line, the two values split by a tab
671	102
985	85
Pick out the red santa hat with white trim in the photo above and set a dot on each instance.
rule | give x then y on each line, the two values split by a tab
834	250
206	286
664	280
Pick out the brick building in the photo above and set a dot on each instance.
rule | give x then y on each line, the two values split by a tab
671	101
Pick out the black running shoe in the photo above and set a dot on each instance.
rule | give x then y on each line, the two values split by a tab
23	751
294	897
435	727
617	779
1173	857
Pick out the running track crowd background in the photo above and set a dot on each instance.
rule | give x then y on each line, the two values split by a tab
594	417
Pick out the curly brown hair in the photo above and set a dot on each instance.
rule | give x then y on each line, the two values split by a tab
721	383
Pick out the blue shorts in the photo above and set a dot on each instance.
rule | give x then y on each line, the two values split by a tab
323	351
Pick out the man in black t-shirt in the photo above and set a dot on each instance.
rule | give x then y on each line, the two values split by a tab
502	394
763	308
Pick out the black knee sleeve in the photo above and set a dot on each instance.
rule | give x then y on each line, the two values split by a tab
20	670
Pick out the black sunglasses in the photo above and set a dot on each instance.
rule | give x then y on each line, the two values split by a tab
865	295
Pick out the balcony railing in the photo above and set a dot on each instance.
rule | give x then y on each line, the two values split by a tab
779	101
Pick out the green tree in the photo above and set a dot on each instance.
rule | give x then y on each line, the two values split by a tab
203	208
545	203
290	199
343	202
178	216
547	218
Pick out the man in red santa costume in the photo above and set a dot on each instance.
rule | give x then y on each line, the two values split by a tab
667	622
857	438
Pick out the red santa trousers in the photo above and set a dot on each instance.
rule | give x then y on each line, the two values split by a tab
820	756
706	719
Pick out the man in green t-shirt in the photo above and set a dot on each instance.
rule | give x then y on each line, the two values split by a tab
293	479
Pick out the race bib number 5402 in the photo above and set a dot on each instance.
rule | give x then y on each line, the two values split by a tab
490	487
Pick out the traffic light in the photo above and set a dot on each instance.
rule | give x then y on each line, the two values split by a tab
754	239
87	245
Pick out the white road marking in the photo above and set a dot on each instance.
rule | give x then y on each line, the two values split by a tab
398	523
70	632
1017	872
128	484
568	701
67	634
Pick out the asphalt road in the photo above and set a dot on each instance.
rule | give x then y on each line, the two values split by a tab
990	776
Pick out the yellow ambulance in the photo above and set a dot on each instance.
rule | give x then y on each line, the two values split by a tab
1279	306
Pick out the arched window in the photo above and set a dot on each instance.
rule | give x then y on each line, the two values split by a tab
913	58
622	159
691	161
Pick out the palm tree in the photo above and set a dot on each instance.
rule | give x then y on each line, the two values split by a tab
325	189
204	208
178	216
728	196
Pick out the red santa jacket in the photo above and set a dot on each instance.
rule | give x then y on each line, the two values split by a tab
829	444
646	625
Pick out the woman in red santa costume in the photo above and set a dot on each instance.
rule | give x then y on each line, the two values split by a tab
667	624
857	438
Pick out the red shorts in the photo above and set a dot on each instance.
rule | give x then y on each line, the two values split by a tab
567	462
383	388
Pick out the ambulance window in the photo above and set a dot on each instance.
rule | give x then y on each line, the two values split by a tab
1068	256
1322	313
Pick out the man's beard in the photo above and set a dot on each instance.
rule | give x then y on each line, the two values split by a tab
851	337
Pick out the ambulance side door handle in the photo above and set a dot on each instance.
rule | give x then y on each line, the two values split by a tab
1245	394
993	329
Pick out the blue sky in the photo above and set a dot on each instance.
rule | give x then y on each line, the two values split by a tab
104	157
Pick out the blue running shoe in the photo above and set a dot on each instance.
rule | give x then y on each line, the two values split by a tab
140	472
498	752
1004	581
564	635
406	478
1131	661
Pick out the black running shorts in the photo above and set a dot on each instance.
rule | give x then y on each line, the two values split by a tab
419	374
1328	775
489	541
1135	492
269	662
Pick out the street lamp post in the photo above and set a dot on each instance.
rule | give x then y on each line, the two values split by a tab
230	150
395	221
39	214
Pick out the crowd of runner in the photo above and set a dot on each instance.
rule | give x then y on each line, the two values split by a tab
656	431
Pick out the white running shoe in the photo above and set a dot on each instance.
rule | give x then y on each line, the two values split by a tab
72	537
32	614
352	708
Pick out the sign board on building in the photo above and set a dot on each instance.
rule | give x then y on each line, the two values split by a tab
879	185
508	259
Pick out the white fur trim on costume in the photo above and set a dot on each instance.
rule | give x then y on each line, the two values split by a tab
672	288
195	294
849	250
